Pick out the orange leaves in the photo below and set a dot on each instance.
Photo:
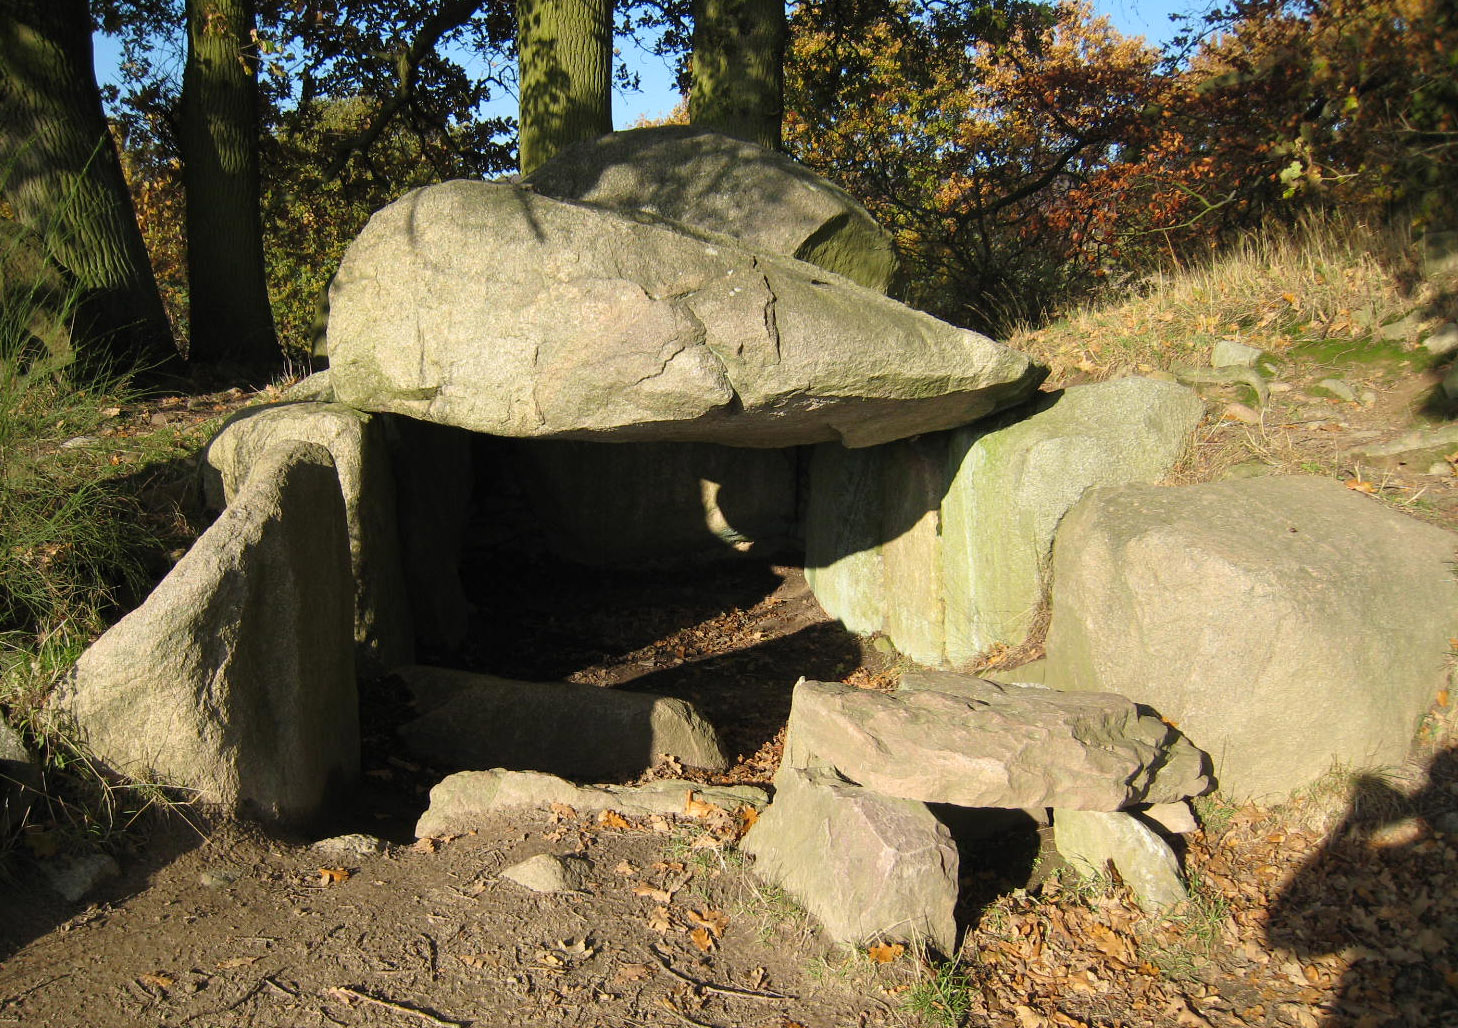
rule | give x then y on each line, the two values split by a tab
333	875
612	819
885	953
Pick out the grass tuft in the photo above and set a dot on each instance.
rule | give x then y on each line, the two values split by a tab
940	997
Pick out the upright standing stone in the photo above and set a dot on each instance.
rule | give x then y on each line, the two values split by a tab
235	679
1010	486
843	538
357	444
914	482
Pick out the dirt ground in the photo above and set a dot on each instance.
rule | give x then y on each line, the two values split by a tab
1334	911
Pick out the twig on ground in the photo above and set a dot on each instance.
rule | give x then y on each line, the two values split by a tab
723	990
347	995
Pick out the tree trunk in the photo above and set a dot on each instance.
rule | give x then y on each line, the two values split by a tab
60	172
231	321
738	69
565	50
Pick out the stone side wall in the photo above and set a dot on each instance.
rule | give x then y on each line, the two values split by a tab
943	542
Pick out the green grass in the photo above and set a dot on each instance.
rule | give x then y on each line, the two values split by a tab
78	542
940	997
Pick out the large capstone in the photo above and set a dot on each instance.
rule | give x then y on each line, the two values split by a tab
762	198
492	308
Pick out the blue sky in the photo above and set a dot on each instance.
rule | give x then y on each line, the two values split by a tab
1148	19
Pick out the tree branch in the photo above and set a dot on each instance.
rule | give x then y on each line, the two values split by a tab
452	14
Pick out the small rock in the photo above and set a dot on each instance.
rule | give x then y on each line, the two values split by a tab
1280	387
1367	398
217	878
1443	341
159	419
78	442
1175	818
1240	412
1450	383
76	876
870	867
350	846
1247	469
546	873
1089	839
1336	388
1230	354
20	780
461	800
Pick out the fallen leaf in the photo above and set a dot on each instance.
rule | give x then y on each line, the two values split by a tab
1362	486
626	869
333	875
667	865
612	819
425	845
110	412
561	811
885	952
656	895
707	842
747	817
633	972
715	921
1110	943
702	938
695	807
1027	1016
232	962
577	947
473	959
660	920
159	980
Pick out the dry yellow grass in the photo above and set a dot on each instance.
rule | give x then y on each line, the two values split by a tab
1277	287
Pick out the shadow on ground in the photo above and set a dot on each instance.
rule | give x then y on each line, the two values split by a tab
1381	893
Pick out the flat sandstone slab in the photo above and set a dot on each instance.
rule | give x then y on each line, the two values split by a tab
950	738
463	799
495	309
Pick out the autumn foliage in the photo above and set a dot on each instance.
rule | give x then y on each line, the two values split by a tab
1025	155
1025	162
